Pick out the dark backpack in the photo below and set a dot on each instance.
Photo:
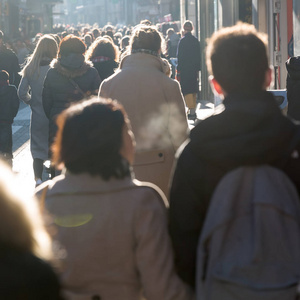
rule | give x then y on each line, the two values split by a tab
250	243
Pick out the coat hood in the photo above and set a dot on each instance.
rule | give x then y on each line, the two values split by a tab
251	130
293	67
71	65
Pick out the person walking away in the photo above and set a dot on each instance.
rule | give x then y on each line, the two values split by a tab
104	55
71	78
188	67
251	131
113	227
9	106
30	92
26	247
154	105
9	62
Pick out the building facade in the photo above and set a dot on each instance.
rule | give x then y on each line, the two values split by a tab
280	19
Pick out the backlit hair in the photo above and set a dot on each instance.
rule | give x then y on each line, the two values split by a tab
46	48
146	37
21	225
71	44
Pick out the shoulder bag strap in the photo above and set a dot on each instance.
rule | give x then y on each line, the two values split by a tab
77	87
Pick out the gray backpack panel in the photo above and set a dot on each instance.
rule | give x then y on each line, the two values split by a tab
250	243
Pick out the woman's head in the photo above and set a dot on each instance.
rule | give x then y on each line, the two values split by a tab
71	44
146	37
21	226
103	47
94	136
46	49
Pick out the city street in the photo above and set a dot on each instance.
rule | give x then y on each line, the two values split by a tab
22	163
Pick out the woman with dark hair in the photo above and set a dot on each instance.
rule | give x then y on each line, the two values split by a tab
154	104
104	55
113	227
70	79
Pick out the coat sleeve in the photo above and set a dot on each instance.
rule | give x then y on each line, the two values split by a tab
187	214
15	102
47	96
154	256
23	91
103	90
177	124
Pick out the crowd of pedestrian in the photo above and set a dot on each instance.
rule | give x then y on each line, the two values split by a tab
137	205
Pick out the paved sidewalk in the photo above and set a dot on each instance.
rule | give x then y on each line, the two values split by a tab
22	162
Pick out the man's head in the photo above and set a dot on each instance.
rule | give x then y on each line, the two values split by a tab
187	26
237	58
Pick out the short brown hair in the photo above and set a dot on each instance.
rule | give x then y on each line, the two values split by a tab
71	44
146	37
237	57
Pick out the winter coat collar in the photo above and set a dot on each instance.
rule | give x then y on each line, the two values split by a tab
142	59
72	65
251	130
69	183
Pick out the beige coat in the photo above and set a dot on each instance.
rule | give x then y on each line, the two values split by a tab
156	109
114	238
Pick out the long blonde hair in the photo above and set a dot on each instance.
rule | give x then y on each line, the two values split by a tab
46	48
21	225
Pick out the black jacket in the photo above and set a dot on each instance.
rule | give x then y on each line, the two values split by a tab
9	103
189	61
293	87
250	131
9	62
105	68
58	90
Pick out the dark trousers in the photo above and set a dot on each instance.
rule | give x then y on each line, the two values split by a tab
6	141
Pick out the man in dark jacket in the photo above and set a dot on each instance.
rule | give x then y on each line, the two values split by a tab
9	62
189	60
250	131
9	105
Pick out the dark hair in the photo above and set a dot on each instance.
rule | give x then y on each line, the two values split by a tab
71	44
146	37
103	47
1	34
146	22
188	25
237	57
4	76
89	139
